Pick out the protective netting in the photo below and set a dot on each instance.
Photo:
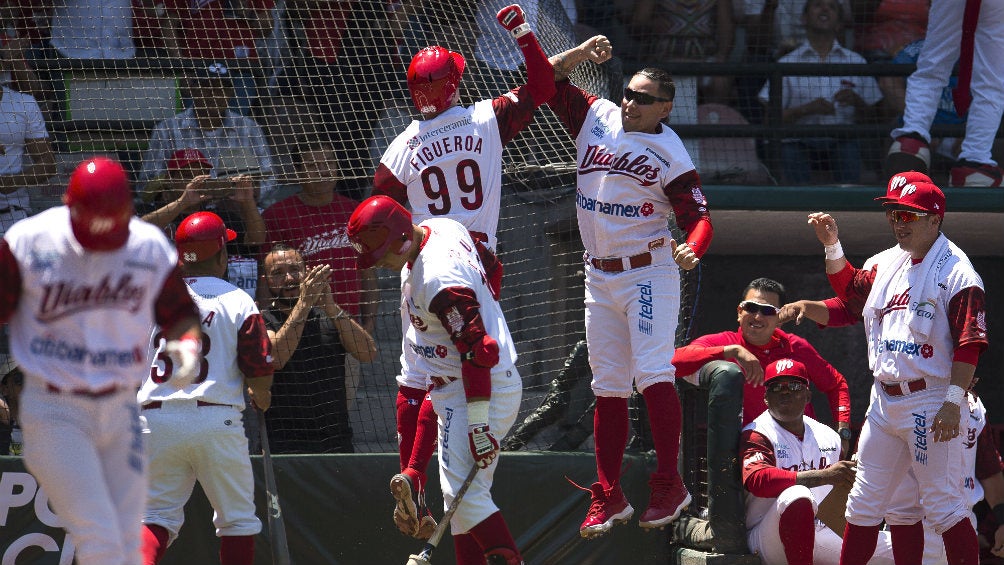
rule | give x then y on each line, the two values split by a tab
315	91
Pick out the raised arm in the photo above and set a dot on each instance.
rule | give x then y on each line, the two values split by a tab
596	49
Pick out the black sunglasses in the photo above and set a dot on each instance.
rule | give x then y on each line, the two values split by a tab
757	308
793	386
641	98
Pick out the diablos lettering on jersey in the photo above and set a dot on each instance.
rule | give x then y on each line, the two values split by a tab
808	465
425	154
64	298
897	302
332	239
596	158
19	492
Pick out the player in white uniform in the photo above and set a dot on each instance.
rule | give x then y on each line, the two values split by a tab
949	24
449	164
195	430
81	286
922	304
463	345
633	175
790	463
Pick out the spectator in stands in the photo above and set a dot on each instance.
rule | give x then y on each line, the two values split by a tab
773	29
335	43
232	143
92	29
313	222
26	159
882	28
668	30
759	342
311	335
980	91
824	100
11	440
189	187
788	461
220	30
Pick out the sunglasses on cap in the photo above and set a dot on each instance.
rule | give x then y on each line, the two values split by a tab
757	308
641	98
905	216
792	386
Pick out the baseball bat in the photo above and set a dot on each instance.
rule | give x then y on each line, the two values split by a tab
437	534
276	521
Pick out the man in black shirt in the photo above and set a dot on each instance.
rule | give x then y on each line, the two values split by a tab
311	335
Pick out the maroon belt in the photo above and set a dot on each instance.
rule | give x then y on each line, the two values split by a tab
616	264
896	388
157	404
100	393
442	381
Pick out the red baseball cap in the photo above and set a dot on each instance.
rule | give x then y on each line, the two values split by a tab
786	368
919	196
899	180
186	157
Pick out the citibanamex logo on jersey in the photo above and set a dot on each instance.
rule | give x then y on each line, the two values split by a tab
20	495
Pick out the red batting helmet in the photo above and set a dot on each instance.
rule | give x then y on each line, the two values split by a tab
434	79
376	223
100	203
200	236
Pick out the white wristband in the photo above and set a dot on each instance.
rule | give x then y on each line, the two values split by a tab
833	252
955	395
477	413
520	30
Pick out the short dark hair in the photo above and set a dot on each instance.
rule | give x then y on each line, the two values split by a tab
763	284
661	77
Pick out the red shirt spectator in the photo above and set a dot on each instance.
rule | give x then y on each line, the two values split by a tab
204	29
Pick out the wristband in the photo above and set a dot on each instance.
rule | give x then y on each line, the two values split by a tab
998	511
833	252
477	412
520	30
955	395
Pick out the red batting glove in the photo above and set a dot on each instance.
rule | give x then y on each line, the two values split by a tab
511	17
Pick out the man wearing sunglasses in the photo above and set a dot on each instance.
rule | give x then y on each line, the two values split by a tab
758	342
790	464
634	174
922	304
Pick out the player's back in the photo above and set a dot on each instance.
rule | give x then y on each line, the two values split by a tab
450	165
229	322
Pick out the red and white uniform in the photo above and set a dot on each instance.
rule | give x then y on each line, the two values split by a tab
80	326
195	433
772	456
980	460
942	46
451	165
689	359
919	318
629	184
449	260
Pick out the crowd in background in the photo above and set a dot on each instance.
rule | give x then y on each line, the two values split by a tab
264	141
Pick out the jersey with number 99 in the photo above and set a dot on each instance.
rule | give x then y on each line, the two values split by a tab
451	165
235	345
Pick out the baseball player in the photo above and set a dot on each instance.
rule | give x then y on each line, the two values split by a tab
81	286
760	341
922	305
790	463
449	163
194	425
463	345
972	29
633	175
